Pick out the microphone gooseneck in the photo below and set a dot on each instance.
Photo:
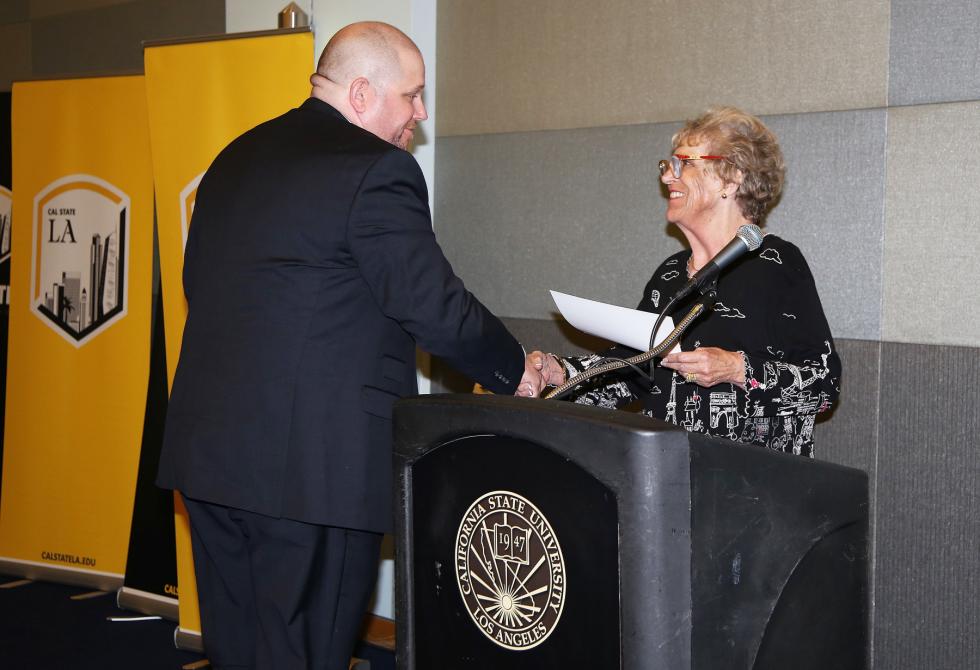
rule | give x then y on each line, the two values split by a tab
616	363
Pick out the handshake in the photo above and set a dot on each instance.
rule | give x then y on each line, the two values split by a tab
540	370
704	366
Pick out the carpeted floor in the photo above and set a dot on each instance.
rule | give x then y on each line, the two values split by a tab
43	628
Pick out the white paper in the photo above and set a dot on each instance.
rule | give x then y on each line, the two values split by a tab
629	327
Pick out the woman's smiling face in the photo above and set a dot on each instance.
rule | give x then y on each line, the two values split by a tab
694	194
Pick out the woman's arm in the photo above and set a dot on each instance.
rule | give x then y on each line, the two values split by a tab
798	371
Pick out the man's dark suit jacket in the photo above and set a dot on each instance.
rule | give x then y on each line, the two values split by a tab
310	272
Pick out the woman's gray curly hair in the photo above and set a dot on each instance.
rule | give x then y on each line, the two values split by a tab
749	146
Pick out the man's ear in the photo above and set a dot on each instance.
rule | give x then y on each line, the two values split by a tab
359	94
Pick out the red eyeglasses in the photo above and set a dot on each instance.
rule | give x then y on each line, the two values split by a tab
676	163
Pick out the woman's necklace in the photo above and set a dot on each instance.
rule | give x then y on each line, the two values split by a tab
690	268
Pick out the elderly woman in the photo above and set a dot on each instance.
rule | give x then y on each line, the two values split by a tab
761	364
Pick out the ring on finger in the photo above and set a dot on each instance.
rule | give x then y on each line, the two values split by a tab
691	377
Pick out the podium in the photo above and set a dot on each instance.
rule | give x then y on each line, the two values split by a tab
542	534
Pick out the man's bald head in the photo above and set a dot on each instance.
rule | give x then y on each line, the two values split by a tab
370	49
373	74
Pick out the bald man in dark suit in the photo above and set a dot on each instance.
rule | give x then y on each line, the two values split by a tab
311	272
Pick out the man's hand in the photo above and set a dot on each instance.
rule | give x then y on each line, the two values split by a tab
540	370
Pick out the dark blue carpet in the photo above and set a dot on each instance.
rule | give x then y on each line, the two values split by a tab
42	628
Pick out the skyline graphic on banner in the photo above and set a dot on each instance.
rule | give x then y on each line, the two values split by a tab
70	301
78	272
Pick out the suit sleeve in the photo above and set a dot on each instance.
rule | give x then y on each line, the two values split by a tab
391	239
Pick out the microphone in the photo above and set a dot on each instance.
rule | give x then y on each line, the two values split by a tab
748	238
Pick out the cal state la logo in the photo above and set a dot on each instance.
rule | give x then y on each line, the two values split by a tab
188	196
510	570
80	256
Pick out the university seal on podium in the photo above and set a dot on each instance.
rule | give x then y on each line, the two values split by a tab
510	570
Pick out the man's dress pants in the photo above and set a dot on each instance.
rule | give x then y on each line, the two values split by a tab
277	593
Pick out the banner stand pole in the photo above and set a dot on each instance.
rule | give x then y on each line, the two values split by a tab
144	602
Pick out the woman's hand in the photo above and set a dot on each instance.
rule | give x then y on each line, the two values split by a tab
708	366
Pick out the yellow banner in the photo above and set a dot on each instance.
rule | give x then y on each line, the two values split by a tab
79	340
202	96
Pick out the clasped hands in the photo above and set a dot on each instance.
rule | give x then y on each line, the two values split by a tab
540	370
704	366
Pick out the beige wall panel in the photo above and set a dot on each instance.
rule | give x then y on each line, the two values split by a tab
511	65
45	8
247	15
932	233
15	53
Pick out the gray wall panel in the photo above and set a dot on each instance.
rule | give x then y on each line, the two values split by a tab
935	51
928	533
110	38
577	211
832	208
554	335
582	211
932	229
